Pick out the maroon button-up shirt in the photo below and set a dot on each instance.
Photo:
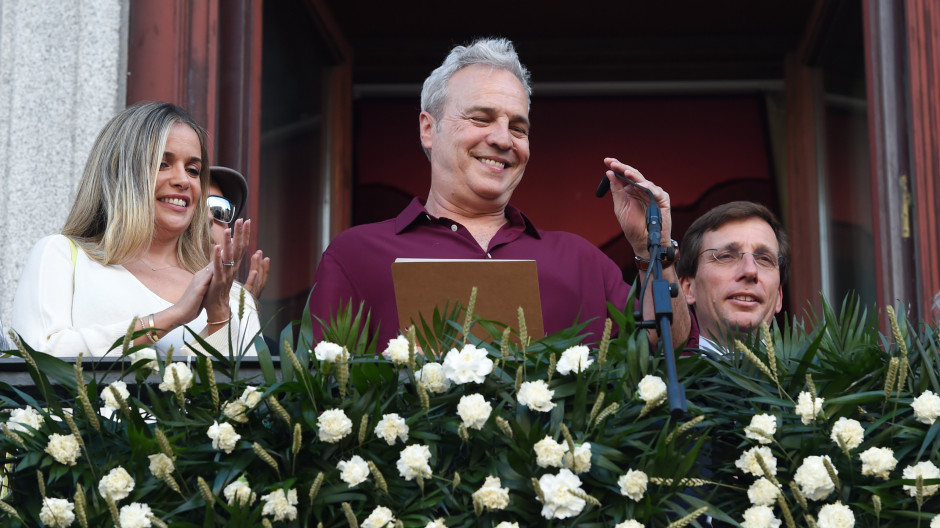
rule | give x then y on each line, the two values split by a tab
576	279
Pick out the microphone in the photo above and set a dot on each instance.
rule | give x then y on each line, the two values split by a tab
603	187
654	216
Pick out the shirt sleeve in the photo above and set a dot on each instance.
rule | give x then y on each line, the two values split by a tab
330	288
42	307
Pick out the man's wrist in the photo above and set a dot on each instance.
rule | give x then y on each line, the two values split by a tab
670	255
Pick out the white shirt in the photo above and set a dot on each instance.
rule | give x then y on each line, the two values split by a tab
707	344
64	309
4	343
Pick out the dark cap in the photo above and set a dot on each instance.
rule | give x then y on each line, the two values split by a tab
233	186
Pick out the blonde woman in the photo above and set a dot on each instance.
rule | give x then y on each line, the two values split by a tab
136	246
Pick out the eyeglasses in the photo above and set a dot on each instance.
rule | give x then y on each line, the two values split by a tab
221	209
764	259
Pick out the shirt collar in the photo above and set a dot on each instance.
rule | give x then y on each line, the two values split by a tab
416	210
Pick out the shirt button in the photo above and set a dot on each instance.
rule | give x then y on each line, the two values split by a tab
489	256
453	227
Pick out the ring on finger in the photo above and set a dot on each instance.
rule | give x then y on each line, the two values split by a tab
232	263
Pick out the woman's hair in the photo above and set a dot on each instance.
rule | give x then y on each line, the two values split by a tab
497	53
113	216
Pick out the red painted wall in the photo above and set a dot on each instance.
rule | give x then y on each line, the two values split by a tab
687	145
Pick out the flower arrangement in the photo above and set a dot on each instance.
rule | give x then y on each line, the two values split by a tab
832	425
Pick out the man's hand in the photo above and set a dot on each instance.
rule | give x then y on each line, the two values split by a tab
630	205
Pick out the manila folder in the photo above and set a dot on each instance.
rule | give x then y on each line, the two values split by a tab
421	285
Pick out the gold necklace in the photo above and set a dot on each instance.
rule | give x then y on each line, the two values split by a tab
149	265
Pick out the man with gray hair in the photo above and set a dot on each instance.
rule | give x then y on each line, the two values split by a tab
474	127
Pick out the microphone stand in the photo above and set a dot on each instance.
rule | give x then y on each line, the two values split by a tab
663	292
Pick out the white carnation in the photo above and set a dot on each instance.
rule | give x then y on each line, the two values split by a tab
491	495
331	352
926	470
117	484
251	396
580	461
282	506
813	479
762	428
136	515
836	515
379	518
436	523
161	465
763	492
397	350
747	462
849	430
110	402
64	448
549	453
147	354
432	377
468	364
22	417
807	407
507	524
633	484
390	427
575	359
236	411
183	374
558	501
652	389
630	523
760	517
926	407
333	425
57	513
536	396
878	461
354	471
223	436
474	410
413	462
935	522
238	493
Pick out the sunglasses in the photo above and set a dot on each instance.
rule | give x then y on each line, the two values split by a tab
221	209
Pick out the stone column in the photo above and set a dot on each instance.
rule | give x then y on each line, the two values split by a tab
63	69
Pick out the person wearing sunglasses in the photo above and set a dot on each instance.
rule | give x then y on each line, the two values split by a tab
135	251
731	270
228	194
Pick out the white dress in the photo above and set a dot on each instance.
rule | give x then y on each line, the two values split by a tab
64	309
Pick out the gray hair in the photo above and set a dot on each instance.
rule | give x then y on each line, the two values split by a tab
498	53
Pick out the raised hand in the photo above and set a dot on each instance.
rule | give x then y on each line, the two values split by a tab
630	205
257	274
224	264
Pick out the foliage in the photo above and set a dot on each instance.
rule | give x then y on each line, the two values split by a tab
287	442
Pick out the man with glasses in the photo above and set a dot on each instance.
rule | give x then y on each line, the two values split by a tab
228	194
731	270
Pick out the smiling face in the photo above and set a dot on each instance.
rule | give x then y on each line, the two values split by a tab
740	295
480	145
178	189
